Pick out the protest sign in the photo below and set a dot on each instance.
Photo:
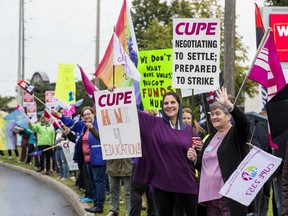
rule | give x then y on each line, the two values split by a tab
156	70
250	176
27	87
32	112
49	95
28	100
68	149
118	123
65	89
196	53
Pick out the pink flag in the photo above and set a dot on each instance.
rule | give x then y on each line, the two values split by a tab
267	69
19	107
89	87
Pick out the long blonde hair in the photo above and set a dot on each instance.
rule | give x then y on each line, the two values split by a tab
195	124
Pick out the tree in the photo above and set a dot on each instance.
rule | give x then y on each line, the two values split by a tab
276	2
4	101
153	30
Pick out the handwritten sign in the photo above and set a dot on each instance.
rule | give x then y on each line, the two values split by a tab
196	53
68	149
118	123
156	70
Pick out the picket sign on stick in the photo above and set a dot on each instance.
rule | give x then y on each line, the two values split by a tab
38	153
250	176
31	89
252	63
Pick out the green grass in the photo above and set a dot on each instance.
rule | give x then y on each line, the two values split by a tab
71	184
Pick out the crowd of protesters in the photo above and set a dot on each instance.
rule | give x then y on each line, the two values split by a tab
176	178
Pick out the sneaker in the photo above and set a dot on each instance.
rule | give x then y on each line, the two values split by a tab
49	173
10	157
73	178
81	197
63	179
43	172
112	214
86	200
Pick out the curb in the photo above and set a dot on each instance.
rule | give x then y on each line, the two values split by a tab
67	192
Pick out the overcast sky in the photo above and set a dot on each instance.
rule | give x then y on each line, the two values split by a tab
63	31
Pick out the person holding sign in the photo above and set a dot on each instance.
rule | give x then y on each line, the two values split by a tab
88	152
164	164
222	152
45	139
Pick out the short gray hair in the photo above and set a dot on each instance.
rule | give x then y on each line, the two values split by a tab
218	105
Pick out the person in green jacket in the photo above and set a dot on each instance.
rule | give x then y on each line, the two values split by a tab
45	139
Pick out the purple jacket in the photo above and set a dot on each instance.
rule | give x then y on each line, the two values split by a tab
164	164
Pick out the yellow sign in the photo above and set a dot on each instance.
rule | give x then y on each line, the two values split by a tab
65	89
155	67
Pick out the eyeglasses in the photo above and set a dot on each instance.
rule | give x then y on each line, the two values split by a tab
87	114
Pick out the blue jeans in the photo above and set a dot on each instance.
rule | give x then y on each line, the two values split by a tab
99	185
61	163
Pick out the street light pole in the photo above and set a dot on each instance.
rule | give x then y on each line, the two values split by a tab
229	45
96	80
20	51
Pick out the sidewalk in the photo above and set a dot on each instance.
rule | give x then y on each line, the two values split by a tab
67	192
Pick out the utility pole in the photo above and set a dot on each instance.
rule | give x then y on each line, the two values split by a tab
96	79
229	46
20	51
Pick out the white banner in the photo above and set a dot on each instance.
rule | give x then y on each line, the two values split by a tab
49	95
246	181
118	123
68	149
32	112
196	53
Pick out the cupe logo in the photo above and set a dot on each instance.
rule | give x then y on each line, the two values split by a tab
249	173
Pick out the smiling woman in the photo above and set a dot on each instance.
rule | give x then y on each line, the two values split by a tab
222	152
164	165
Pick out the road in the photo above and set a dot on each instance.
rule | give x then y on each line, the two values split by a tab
24	195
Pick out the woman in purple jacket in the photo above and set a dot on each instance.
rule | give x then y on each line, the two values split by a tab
164	164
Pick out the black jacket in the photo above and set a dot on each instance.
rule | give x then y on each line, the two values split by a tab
231	152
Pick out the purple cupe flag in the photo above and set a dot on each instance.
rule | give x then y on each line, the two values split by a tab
267	69
88	85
